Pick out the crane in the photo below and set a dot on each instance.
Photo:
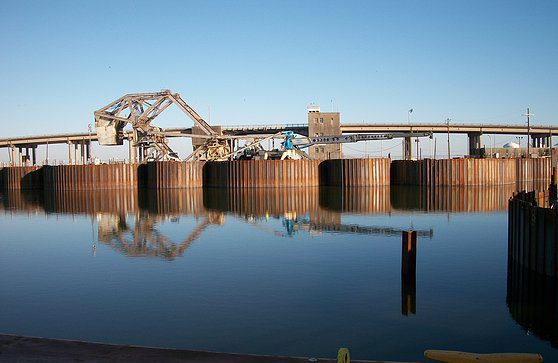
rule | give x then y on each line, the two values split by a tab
292	146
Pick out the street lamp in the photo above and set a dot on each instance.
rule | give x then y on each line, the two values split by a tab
447	123
491	145
529	114
411	130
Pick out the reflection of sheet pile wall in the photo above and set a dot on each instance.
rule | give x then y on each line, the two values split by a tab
356	200
532	300
452	199
262	201
119	202
172	201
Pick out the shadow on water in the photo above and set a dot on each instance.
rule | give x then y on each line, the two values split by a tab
532	300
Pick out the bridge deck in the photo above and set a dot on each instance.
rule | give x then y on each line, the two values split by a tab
302	129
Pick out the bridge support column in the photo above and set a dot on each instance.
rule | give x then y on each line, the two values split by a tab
82	151
407	149
69	153
474	143
76	159
535	140
13	156
88	151
130	152
34	154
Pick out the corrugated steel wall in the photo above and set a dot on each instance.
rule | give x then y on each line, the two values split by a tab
172	174
470	172
90	177
280	173
355	172
533	236
21	177
261	173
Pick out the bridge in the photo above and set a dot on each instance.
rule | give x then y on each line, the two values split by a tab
79	143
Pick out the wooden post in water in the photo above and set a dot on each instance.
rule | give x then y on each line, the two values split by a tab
408	272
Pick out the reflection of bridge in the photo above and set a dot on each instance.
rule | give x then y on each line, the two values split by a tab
144	239
308	225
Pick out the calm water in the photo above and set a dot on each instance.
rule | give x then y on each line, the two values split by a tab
290	272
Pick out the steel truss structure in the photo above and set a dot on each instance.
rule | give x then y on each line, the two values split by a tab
139	110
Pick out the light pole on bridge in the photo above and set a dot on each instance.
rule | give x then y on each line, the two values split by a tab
447	123
529	114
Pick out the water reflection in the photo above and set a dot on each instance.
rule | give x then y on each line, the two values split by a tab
451	199
128	220
532	300
143	239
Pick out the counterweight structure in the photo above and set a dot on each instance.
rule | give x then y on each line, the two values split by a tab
139	110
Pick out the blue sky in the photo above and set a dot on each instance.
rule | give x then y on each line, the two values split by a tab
257	62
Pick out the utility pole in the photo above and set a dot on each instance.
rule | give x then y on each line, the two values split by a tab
528	131
449	152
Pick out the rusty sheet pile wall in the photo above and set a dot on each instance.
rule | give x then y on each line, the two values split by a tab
355	172
90	177
470	172
533	234
172	174
21	177
261	173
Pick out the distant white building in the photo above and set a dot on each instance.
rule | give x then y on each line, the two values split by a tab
511	145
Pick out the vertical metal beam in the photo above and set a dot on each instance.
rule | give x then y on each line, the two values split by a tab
130	151
82	151
76	160
13	161
407	149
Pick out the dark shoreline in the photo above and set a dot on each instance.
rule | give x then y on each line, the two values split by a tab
14	348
